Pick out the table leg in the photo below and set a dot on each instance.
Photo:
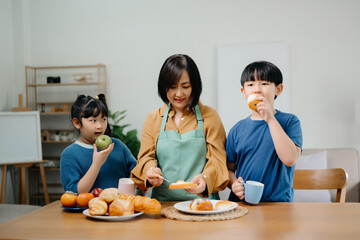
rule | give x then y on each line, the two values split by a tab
23	184
3	181
44	183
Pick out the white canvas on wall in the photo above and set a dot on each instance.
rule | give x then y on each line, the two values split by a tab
231	61
20	137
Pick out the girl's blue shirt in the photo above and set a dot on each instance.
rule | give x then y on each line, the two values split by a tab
250	146
76	160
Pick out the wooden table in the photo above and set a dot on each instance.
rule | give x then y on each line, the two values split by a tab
264	221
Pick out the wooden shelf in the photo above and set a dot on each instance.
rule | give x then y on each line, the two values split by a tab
54	113
53	141
62	84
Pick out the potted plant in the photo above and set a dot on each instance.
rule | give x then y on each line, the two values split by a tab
129	138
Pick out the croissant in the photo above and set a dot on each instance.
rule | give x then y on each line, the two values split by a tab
109	194
146	204
120	207
97	207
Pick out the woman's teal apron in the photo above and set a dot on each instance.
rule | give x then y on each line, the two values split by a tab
180	157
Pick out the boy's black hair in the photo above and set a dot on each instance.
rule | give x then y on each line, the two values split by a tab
262	70
87	106
171	72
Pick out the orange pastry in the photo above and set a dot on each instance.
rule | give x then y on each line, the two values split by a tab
199	204
181	184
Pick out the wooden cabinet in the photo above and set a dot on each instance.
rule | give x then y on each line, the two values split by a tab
52	91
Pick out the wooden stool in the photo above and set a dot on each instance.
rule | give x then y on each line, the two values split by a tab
22	180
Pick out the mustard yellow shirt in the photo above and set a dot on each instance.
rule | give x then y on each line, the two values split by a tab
215	172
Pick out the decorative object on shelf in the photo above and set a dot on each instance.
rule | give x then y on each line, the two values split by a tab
45	135
130	138
64	136
57	136
53	80
62	108
20	108
82	77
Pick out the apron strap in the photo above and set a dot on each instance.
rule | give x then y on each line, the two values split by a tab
198	118
163	122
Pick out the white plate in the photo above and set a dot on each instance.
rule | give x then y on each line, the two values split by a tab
112	218
185	207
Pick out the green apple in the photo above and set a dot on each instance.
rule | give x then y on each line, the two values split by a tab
103	142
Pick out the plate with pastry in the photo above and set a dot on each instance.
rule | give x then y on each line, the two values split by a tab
202	206
106	217
182	185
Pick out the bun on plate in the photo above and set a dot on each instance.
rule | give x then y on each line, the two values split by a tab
221	205
252	102
181	184
109	194
199	204
121	207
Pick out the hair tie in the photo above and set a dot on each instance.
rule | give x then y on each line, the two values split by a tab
96	97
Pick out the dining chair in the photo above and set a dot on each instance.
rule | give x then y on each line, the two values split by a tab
330	178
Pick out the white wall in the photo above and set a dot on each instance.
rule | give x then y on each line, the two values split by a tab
6	55
133	38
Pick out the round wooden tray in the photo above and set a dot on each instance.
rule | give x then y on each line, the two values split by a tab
172	213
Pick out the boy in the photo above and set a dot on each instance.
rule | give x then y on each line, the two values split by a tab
265	146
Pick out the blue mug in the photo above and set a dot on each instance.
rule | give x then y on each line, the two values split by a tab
253	191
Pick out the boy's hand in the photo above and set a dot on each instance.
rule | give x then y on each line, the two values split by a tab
238	188
152	176
198	180
265	109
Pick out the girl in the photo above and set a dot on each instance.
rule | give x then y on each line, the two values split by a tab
82	166
183	139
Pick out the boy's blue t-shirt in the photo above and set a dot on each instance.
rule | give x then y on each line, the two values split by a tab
76	160
249	145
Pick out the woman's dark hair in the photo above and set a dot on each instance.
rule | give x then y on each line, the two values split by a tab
171	72
87	106
261	70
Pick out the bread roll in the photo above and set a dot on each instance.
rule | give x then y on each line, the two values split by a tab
201	205
109	194
252	102
221	205
120	207
97	207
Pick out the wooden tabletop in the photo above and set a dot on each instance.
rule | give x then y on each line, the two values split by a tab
264	221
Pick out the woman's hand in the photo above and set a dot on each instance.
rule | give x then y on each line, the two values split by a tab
152	176
99	158
198	180
238	188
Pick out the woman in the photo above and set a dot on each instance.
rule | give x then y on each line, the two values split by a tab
183	139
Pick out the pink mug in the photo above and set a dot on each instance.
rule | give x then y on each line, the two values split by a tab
127	186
